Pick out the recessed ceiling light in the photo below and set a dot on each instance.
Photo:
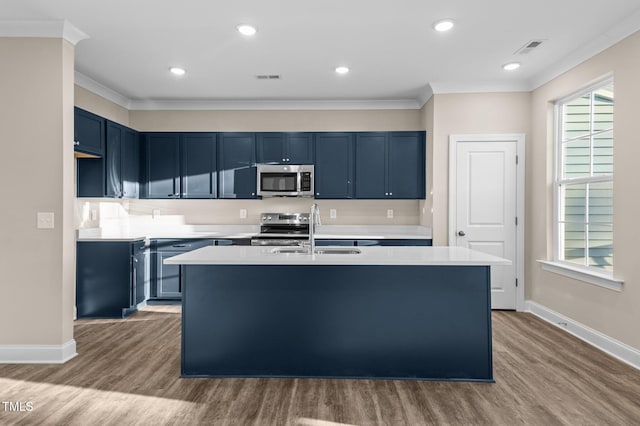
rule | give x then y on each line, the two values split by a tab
511	66
247	30
177	71
342	70
443	25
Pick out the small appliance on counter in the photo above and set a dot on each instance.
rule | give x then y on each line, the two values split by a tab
282	229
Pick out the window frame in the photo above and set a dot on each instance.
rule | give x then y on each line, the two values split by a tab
592	274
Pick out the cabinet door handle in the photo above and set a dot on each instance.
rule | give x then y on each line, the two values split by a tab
284	159
76	143
391	193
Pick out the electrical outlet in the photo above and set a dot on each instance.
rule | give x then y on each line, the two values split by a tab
243	213
333	213
389	213
155	213
94	214
45	220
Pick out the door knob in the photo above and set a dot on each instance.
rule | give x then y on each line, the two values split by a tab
461	233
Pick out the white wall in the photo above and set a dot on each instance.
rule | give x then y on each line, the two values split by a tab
466	114
37	284
616	314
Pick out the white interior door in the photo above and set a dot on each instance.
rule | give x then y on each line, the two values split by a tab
485	204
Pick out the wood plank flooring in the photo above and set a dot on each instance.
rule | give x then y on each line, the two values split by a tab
127	373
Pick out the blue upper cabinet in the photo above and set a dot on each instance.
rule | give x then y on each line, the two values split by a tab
371	164
161	165
334	160
89	133
390	165
285	148
113	162
199	165
406	165
130	174
115	175
237	165
271	149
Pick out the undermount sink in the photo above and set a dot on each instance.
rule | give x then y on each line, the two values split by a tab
289	250
340	250
323	250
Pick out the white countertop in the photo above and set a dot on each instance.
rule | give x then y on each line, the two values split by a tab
376	255
327	232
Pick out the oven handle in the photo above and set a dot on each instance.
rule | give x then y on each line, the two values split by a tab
276	242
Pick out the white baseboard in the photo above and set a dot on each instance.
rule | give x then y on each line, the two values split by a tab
613	347
37	354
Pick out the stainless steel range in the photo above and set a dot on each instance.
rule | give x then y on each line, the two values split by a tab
282	229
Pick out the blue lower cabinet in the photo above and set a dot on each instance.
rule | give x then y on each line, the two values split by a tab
349	321
394	242
233	242
386	242
167	278
112	278
321	243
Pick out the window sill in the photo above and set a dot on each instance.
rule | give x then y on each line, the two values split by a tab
591	277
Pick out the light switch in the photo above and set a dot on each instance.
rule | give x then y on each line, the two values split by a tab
45	220
333	213
389	213
243	213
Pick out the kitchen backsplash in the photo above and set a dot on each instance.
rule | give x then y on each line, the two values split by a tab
91	213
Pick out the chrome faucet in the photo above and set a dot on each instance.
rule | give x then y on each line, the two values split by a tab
314	219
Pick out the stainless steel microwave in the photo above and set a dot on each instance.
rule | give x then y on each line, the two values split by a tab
275	180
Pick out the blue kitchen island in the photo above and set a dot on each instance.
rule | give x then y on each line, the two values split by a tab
386	312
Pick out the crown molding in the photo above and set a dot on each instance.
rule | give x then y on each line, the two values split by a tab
198	105
425	95
45	29
620	31
276	104
101	90
441	88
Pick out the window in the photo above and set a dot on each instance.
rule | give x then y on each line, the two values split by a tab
584	179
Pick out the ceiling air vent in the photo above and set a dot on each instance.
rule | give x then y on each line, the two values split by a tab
268	77
527	48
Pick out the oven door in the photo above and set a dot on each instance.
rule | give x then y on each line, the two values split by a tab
278	183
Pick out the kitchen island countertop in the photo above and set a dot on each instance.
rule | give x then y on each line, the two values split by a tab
376	255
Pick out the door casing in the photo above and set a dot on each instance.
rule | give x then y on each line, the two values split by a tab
519	138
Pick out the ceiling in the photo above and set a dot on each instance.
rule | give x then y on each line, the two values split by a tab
393	52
